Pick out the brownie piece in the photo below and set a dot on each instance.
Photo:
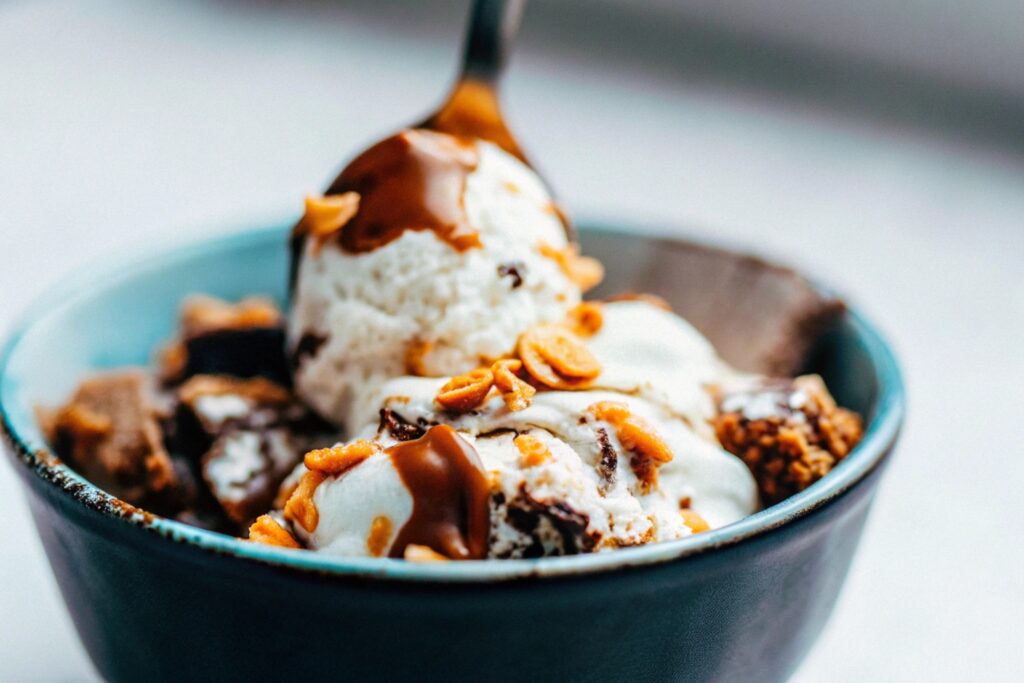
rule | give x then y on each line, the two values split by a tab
790	433
110	432
245	339
242	437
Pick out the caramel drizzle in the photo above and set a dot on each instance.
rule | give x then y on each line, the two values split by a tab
450	492
411	181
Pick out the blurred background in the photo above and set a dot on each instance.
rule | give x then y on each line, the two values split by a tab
877	145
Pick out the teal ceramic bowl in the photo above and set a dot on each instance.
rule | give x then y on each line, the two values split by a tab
153	599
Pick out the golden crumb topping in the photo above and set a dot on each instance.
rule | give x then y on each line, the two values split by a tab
584	271
422	553
532	450
326	216
586	319
516	392
337	460
300	507
267	531
556	358
463	393
637	436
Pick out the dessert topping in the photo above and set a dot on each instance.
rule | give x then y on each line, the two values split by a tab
516	393
326	215
532	449
450	492
585	271
693	520
554	357
300	507
380	534
586	319
637	436
267	531
465	392
421	553
411	181
339	459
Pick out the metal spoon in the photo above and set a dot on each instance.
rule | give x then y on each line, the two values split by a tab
472	108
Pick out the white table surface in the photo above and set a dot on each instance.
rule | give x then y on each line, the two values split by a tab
122	121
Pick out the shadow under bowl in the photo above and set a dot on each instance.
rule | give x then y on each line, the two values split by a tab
157	600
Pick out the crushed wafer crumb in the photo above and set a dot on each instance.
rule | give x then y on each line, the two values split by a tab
637	436
516	393
380	536
337	460
692	519
532	450
554	357
422	553
267	531
465	392
585	271
325	216
586	319
300	507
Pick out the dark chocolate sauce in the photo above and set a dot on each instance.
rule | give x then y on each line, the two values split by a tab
411	181
450	492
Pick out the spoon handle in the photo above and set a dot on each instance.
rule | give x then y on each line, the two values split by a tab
491	32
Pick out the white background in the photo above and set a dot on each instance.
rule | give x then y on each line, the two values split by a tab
122	121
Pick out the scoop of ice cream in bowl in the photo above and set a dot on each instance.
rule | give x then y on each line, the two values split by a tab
439	444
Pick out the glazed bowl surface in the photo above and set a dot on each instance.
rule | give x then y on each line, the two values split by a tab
154	599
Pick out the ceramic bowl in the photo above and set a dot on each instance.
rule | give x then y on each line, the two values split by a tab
156	600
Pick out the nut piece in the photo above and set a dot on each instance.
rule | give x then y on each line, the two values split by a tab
532	449
300	507
422	553
586	272
339	459
693	520
326	215
637	436
516	393
555	358
380	536
586	319
465	392
267	531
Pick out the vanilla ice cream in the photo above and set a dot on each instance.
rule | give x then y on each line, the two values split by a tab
582	489
418	304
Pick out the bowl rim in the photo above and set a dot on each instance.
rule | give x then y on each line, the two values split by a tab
876	444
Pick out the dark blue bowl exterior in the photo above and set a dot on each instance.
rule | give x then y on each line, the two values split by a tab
149	607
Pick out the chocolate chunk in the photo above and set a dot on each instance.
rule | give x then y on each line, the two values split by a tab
514	270
244	469
308	346
607	466
110	432
552	528
398	427
246	339
789	433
